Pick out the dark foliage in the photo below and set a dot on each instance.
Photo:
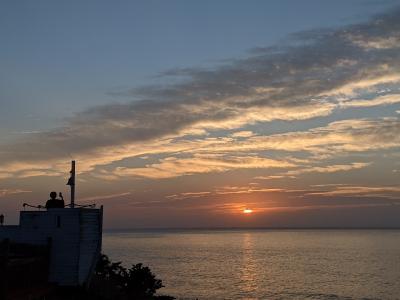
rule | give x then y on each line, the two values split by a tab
111	271
138	282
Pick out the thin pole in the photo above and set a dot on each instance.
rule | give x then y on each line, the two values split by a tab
72	184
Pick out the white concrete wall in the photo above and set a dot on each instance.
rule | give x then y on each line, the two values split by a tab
75	234
90	230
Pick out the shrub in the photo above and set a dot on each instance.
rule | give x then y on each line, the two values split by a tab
141	282
138	282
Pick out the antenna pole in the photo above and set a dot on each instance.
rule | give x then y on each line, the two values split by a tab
72	184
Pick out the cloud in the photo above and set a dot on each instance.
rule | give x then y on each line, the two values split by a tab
307	78
27	169
273	198
187	195
316	169
354	135
389	192
8	192
382	100
273	177
244	134
329	168
367	82
174	167
104	197
220	154
226	190
235	208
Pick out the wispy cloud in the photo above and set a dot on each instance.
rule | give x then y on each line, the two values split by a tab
210	154
8	192
389	192
322	70
346	196
187	195
225	190
329	168
244	134
235	208
174	167
104	197
382	100
273	177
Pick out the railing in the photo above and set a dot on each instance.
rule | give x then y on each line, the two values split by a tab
82	206
68	205
34	206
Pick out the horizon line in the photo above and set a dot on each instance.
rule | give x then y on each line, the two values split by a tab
250	228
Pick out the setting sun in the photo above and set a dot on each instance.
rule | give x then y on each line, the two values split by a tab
247	211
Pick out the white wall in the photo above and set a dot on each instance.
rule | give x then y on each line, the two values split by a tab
75	235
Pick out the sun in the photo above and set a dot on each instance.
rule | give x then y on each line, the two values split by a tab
247	211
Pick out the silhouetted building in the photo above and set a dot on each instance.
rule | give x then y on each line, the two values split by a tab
70	237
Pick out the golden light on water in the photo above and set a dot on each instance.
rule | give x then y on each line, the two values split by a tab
247	211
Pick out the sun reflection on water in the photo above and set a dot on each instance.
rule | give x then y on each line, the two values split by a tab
248	276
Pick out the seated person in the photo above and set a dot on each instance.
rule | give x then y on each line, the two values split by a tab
53	202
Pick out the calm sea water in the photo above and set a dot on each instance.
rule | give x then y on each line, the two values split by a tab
266	264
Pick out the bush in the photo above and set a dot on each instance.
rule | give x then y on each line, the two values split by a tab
141	282
138	282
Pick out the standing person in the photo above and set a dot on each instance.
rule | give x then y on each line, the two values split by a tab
53	202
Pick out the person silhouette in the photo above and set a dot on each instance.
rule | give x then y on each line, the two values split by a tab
53	202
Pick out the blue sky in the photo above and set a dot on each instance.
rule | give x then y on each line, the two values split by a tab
66	56
253	99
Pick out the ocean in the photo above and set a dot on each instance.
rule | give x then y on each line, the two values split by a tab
265	264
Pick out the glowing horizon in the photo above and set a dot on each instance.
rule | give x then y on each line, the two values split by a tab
299	120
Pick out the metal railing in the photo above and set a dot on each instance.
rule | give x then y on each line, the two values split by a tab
68	205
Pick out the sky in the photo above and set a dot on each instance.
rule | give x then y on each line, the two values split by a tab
186	113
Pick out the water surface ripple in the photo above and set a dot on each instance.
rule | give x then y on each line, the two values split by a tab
266	264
